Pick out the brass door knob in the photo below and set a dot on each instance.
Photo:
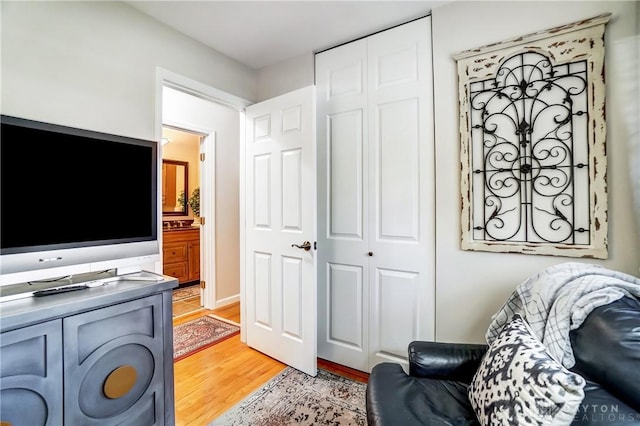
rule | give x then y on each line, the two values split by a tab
306	246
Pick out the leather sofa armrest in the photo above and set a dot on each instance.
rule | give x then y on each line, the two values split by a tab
450	361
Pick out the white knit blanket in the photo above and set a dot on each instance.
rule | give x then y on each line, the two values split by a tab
558	299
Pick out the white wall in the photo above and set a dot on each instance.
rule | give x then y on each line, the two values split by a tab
92	65
471	286
285	76
198	113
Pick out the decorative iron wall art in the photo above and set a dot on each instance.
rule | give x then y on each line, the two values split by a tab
532	130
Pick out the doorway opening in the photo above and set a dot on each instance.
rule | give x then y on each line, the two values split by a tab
181	176
185	105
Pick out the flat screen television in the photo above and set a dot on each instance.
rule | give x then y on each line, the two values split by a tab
74	201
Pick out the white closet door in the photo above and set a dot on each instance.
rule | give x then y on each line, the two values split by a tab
343	199
401	191
375	197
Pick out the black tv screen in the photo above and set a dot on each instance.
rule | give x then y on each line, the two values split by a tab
62	187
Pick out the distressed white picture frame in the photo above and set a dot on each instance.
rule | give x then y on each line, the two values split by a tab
533	143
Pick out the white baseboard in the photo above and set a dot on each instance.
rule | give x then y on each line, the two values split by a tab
227	301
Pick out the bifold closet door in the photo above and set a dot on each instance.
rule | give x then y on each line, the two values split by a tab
401	191
376	239
343	205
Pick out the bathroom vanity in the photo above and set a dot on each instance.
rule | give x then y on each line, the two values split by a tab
181	253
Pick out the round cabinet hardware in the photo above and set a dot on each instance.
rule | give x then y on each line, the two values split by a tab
120	381
370	253
306	246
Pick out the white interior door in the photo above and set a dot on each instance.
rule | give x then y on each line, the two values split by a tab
280	279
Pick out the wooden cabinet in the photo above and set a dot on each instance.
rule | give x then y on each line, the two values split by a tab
103	355
181	254
194	260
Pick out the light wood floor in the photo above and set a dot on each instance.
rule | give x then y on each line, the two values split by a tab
213	380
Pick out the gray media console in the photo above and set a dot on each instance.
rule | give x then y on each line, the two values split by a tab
99	356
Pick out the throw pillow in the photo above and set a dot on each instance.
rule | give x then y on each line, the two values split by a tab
519	383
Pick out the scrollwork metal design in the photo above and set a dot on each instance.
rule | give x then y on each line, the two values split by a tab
529	157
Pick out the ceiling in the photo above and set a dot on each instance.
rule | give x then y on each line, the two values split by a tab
180	138
262	33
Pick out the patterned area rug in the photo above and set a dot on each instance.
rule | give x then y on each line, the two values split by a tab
185	293
294	398
200	333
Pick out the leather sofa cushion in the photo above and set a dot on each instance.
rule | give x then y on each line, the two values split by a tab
607	349
394	398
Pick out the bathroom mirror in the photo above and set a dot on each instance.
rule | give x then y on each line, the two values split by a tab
174	187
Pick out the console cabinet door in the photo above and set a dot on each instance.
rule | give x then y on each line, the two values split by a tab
31	375
114	365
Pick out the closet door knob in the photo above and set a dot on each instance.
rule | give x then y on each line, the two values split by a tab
370	253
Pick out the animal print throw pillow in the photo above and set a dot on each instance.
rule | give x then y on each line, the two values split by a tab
519	383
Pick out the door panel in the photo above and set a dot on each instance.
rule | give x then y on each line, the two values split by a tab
281	290
345	174
395	326
292	190
262	281
398	170
292	315
345	307
262	191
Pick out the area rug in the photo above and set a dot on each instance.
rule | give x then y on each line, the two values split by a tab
295	398
185	293
198	334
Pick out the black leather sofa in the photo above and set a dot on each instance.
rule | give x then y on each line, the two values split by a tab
606	348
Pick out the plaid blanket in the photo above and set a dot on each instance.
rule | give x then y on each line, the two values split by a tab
558	299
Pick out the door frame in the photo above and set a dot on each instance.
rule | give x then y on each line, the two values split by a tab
167	78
